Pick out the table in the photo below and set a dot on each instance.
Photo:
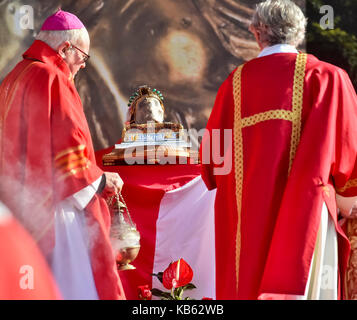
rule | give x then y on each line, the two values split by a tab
174	213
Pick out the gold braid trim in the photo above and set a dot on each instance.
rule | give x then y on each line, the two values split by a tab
351	272
74	164
71	161
74	171
348	185
238	160
268	115
239	124
69	150
298	92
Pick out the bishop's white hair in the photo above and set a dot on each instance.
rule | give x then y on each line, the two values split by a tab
55	38
280	21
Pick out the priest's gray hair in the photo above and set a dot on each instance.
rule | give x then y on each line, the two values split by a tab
55	38
279	21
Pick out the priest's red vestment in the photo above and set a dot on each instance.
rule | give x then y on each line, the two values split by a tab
46	155
294	125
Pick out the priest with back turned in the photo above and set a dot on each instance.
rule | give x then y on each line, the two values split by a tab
294	167
49	176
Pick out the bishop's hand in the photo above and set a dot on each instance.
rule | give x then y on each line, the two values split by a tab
114	183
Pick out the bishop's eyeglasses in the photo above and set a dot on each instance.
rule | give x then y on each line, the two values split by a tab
85	55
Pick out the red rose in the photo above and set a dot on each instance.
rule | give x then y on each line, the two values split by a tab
177	274
144	292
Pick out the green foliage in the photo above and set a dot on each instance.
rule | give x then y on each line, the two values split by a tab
162	294
158	275
175	294
339	45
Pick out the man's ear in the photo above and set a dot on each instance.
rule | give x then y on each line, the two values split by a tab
63	48
257	36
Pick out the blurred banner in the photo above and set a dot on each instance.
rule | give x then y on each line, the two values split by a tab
183	48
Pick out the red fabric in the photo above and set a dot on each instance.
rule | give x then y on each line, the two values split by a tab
17	250
155	177
280	215
46	151
144	187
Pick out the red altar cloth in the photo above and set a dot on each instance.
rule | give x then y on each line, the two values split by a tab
144	187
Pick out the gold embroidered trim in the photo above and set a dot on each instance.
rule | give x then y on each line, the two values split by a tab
239	124
348	185
268	115
68	159
72	172
238	160
75	164
298	91
69	150
351	272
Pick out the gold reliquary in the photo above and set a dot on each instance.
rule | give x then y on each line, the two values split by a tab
147	139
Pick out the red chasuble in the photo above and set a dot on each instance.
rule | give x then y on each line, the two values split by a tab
24	273
46	155
294	124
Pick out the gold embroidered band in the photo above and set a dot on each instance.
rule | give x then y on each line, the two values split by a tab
350	280
238	160
239	123
298	93
69	150
71	161
66	161
348	185
268	115
74	171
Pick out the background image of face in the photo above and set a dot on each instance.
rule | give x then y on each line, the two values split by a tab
185	49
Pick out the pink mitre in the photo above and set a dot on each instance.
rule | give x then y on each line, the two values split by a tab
62	20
